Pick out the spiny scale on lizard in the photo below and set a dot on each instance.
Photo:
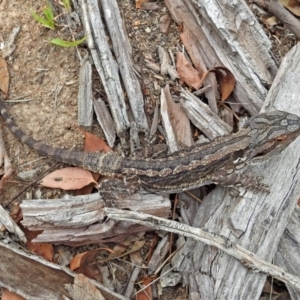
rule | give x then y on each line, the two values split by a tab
213	162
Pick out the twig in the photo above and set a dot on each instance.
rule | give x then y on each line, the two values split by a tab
275	8
247	258
24	189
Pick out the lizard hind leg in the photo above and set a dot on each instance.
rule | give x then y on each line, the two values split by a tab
240	180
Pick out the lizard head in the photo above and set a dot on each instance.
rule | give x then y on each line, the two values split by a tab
272	132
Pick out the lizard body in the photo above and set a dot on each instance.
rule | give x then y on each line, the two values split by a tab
213	162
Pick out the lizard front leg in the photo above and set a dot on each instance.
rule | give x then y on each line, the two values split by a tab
108	186
240	180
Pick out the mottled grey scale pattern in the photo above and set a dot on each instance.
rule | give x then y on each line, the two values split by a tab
213	162
292	128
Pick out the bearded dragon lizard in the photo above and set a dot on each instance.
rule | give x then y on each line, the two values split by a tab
216	162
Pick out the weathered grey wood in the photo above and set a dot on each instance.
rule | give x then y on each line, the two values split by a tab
47	280
248	258
104	63
10	225
254	221
105	121
123	56
81	220
288	252
85	95
202	117
171	138
228	34
6	169
286	89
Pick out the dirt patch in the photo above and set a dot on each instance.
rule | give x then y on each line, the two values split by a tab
43	87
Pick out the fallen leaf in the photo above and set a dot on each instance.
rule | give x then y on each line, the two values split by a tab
187	72
292	5
72	178
268	288
150	6
179	119
270	22
165	23
83	288
79	258
226	81
93	143
16	213
7	295
4	76
145	293
87	263
44	250
138	3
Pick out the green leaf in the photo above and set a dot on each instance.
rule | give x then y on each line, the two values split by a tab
67	5
43	21
63	43
49	14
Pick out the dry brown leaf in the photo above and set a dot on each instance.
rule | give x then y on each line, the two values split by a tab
187	72
292	5
165	24
226	81
76	261
7	295
93	143
87	264
16	213
4	76
179	119
138	3
268	288
150	6
190	44
72	178
44	250
79	258
145	294
83	288
270	22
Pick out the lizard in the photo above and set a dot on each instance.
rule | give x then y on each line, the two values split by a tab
218	161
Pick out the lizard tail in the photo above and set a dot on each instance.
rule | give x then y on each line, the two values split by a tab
72	157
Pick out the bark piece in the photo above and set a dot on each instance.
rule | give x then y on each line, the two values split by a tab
120	44
80	220
11	226
105	121
104	63
202	117
288	252
85	96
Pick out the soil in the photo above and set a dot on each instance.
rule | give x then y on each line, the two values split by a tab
44	84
